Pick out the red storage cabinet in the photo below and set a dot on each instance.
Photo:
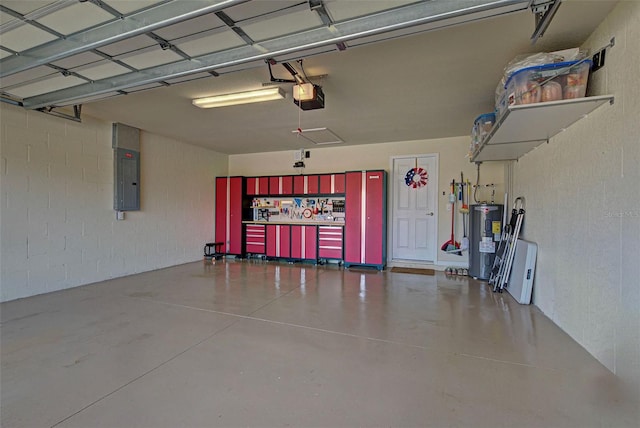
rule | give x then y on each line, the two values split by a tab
332	184
281	185
255	238
313	185
257	186
228	214
285	241
304	242
263	186
278	240
339	183
287	185
365	218
274	185
298	184
330	242
325	183
252	186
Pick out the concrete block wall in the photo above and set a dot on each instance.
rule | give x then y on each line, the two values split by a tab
583	209
57	223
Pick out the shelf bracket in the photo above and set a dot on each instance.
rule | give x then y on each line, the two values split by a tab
598	57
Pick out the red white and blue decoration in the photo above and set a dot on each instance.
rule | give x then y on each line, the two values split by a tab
416	177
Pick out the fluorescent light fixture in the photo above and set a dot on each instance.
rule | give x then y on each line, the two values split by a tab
303	92
257	96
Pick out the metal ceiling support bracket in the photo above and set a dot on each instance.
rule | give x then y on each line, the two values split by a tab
277	80
244	36
102	5
166	45
318	6
66	73
113	31
435	14
112	59
544	11
232	25
77	111
321	10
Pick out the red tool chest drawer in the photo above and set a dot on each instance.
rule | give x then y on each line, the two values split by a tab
330	242
255	238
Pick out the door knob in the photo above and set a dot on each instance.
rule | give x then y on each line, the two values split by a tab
431	213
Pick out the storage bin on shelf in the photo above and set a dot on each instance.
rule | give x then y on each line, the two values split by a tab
542	83
482	125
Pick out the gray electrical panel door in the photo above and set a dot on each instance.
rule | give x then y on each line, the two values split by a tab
127	182
126	167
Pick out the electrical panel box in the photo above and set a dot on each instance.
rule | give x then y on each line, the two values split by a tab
126	168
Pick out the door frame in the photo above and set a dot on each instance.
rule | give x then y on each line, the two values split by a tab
433	180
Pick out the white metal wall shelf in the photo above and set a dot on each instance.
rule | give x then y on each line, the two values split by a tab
524	127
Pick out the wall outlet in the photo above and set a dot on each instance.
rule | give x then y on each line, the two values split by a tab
119	215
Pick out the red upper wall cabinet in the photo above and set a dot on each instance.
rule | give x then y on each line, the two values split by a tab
339	185
287	185
298	185
325	183
281	185
274	185
258	186
313	185
252	189
331	184
263	186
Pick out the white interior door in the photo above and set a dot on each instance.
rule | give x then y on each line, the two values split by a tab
414	231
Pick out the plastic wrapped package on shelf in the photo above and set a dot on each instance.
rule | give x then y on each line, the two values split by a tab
543	83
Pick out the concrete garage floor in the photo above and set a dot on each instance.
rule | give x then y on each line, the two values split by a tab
266	344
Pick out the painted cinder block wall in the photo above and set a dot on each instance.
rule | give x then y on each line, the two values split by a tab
57	223
583	209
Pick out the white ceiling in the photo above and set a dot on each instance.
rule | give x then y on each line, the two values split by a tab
422	86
